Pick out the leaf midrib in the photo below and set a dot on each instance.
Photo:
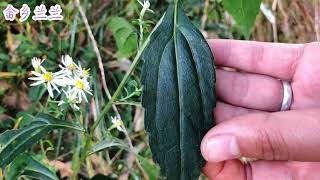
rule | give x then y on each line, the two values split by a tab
175	23
18	135
22	143
39	172
39	127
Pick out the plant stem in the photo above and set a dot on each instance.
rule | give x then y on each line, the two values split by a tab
60	133
76	163
128	103
126	98
77	159
89	168
120	87
96	50
112	100
1	174
43	151
109	105
141	30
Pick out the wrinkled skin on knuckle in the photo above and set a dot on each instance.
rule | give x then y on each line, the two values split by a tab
272	145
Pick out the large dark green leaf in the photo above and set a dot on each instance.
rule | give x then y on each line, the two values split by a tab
26	165
15	142
178	95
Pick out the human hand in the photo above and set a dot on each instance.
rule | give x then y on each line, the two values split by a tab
287	144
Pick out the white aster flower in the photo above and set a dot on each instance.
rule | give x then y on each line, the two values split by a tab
117	122
82	73
145	6
36	63
70	99
52	80
68	64
80	87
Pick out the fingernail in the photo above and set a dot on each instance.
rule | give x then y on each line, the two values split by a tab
220	148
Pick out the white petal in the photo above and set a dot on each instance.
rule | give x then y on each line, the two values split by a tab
88	91
50	90
37	83
36	74
79	96
63	68
73	95
43	69
35	78
55	87
59	82
60	103
34	63
84	95
61	73
77	66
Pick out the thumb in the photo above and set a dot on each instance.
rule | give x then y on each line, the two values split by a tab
290	135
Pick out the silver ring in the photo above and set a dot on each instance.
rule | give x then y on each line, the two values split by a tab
287	96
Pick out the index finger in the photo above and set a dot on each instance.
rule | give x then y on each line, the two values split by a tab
272	59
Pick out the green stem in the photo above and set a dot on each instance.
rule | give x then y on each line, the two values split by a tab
128	97
141	30
128	103
43	151
77	159
1	174
59	139
76	163
58	143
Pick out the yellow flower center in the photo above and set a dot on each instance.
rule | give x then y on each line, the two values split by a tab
86	72
48	76
71	67
118	123
79	84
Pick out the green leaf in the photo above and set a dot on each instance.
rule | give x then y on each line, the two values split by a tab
2	110
110	142
124	35
151	169
179	95
15	142
244	12
26	165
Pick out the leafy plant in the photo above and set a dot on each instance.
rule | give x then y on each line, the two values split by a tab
26	165
14	142
178	96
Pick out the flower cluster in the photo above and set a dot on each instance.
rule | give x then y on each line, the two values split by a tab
117	123
71	79
145	6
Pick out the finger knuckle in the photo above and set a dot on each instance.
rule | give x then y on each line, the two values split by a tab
242	85
272	145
